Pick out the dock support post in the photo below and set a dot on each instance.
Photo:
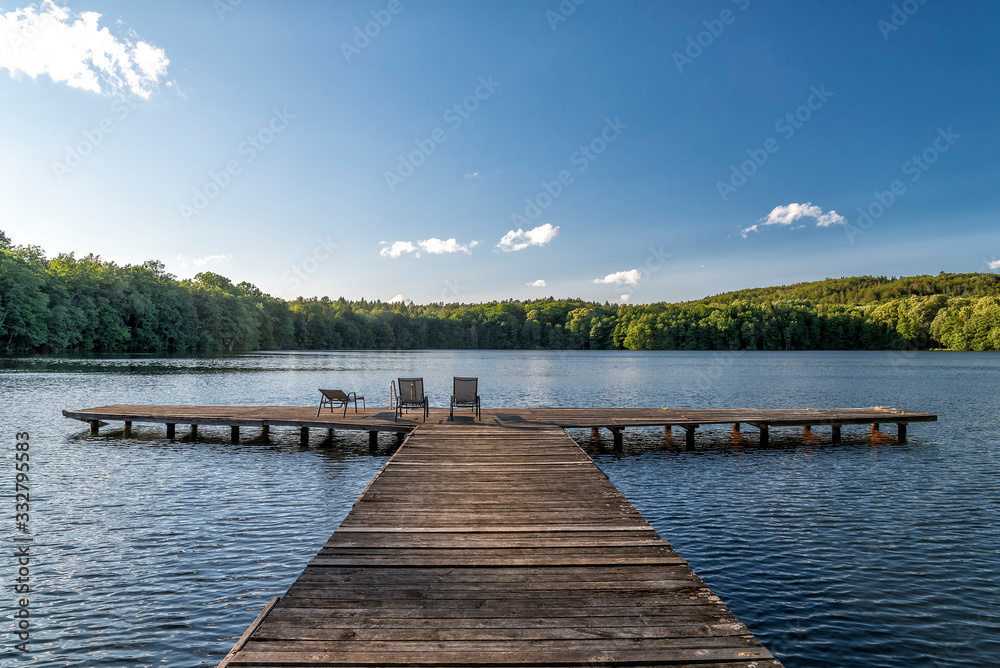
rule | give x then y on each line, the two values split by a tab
689	437
304	436
194	431
765	434
616	433
373	440
668	430
265	429
836	433
329	433
234	434
128	428
171	430
595	432
901	432
95	427
400	437
875	426
806	429
736	427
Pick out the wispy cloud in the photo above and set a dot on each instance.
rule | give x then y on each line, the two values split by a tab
995	264
540	283
434	246
472	175
630	277
516	240
201	261
787	215
72	47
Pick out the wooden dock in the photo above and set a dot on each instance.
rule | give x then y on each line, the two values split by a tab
496	543
615	420
487	545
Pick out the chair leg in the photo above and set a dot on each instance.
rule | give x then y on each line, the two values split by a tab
320	407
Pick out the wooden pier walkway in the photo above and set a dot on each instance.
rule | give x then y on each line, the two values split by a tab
485	544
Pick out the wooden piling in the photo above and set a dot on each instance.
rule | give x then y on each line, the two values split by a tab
901	432
304	436
689	437
171	430
234	433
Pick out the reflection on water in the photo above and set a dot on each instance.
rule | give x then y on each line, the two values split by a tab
155	552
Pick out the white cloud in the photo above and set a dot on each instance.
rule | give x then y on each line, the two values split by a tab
202	261
397	299
540	283
434	246
786	215
472	175
625	298
519	239
630	277
995	264
72	47
397	249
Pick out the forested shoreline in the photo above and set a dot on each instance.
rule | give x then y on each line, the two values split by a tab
69	304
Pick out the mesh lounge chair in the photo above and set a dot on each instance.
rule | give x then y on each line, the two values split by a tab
410	395
332	397
466	394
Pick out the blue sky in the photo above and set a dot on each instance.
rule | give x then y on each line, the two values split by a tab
471	151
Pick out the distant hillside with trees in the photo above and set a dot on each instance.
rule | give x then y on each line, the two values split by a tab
69	304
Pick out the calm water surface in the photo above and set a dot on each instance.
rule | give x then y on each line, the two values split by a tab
149	552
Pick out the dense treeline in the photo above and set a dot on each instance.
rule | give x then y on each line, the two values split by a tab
86	304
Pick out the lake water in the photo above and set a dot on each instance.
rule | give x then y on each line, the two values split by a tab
149	552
